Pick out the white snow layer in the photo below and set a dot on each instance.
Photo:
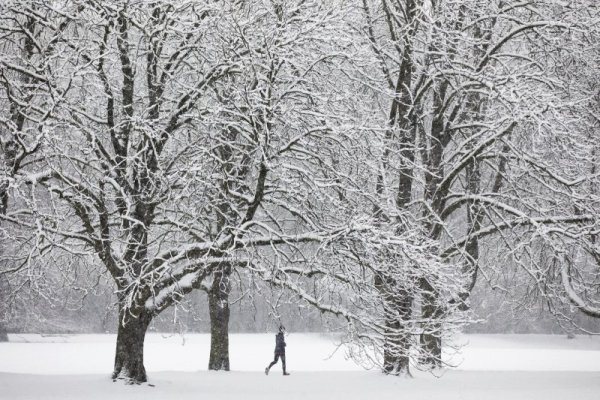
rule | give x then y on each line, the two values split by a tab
491	367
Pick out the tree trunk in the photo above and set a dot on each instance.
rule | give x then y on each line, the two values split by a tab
4	289
3	207
432	346
396	358
3	334
218	303
397	307
431	340
129	358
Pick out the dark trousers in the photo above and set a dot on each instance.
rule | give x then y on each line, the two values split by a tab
277	355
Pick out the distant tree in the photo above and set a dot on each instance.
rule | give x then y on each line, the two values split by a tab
25	106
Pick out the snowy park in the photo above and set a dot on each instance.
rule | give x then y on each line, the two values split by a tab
300	199
543	367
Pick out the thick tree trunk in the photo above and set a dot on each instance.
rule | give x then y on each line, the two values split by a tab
396	359
398	311
218	303
129	358
431	340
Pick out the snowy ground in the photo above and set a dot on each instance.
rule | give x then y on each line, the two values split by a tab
503	367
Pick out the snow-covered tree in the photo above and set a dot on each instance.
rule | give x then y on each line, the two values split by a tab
25	106
185	140
466	94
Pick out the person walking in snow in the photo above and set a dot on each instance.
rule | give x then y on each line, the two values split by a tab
279	351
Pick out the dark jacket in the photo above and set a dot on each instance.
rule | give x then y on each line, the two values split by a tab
279	343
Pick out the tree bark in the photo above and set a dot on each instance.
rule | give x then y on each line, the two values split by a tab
397	306
3	334
431	341
4	287
129	358
218	303
396	358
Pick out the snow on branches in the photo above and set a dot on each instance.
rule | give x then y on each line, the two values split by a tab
369	156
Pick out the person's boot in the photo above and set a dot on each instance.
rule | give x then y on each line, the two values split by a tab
285	373
267	371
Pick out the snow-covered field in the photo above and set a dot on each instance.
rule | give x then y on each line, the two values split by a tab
503	367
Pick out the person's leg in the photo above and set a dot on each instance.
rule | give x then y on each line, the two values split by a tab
283	364
272	363
274	360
